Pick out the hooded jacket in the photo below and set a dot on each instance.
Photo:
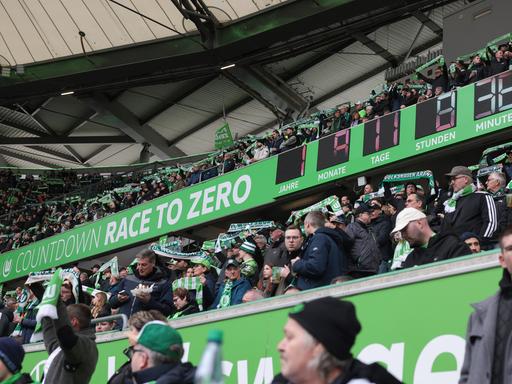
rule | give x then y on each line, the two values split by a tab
323	259
161	296
166	374
442	246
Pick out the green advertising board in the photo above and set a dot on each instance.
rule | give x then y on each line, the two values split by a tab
453	117
416	330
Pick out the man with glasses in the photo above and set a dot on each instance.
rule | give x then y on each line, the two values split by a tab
157	356
427	246
468	210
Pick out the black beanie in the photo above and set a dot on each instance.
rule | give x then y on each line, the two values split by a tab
11	354
332	322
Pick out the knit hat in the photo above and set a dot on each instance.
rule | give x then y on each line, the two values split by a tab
232	262
204	260
248	247
11	354
332	322
160	337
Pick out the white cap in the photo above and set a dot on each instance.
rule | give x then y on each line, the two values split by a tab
406	216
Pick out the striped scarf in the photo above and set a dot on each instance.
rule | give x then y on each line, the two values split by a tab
191	284
225	298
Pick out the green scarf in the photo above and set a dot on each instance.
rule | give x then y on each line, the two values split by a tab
225	298
331	201
451	203
410	176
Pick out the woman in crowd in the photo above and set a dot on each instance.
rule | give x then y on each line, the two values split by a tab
100	306
183	303
266	283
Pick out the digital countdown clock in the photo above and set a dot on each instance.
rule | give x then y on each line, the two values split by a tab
291	164
436	115
333	149
493	95
381	133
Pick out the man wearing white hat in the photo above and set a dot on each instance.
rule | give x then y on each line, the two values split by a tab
427	245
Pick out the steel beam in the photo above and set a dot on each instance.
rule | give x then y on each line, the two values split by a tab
375	47
29	159
52	152
66	140
428	22
133	128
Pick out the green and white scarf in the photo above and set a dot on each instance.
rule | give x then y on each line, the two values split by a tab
331	201
191	284
402	250
225	298
451	204
410	176
27	306
240	227
114	269
93	291
248	268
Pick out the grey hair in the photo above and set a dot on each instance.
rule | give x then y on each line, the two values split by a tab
324	363
500	177
316	219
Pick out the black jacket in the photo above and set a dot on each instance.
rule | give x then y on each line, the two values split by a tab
182	373
374	373
475	213
381	228
161	297
6	317
323	259
442	246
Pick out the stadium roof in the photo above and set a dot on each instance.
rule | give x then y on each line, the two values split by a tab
146	74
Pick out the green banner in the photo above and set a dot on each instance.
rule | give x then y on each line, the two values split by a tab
452	118
223	138
416	330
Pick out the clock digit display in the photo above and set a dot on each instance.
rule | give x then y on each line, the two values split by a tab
333	149
291	164
436	115
493	95
381	133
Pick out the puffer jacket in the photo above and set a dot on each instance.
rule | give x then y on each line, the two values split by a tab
365	254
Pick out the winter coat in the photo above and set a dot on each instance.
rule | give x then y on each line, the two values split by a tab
182	373
276	254
323	258
381	228
475	213
480	340
365	254
357	372
6	317
76	361
237	292
442	246
161	296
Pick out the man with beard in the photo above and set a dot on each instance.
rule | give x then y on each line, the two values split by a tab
427	246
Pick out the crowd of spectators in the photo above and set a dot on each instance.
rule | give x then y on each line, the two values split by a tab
376	231
30	208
